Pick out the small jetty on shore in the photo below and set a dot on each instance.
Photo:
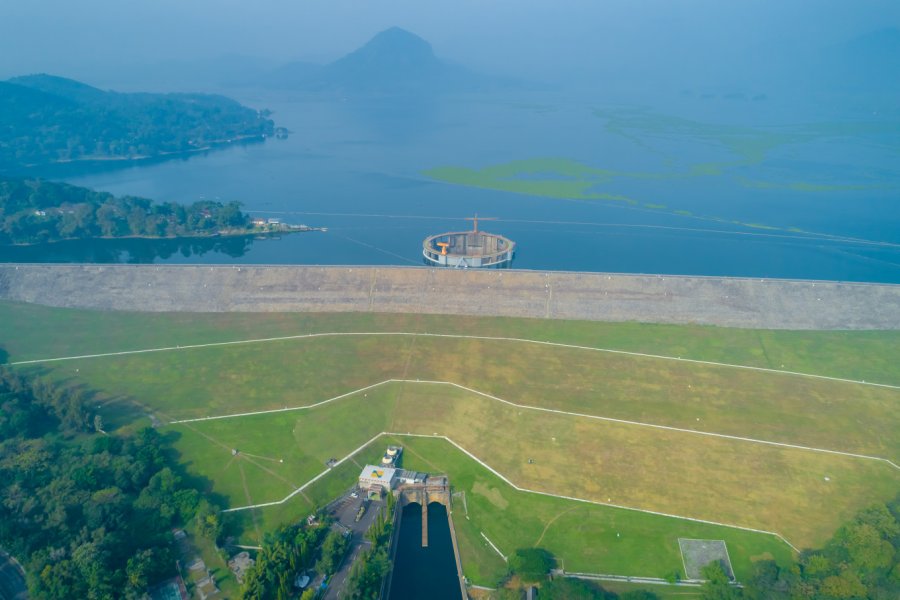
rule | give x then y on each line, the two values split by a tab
264	226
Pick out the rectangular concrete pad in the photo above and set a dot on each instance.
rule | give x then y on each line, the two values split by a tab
696	554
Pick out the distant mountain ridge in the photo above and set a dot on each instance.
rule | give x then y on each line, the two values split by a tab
393	61
63	87
46	119
393	56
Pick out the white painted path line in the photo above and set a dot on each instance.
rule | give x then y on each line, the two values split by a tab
280	410
637	579
494	546
514	486
551	411
652	512
469	337
669	428
308	483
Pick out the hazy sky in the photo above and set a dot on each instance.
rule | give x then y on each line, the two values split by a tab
513	36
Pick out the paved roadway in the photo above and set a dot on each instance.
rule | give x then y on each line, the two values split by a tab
12	580
346	516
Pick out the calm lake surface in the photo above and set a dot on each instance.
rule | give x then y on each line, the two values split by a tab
717	187
424	572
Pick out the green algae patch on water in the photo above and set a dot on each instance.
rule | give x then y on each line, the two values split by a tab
547	177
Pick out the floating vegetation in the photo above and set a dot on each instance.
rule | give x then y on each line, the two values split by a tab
806	186
740	147
547	177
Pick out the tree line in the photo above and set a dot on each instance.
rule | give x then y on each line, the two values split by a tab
860	562
320	548
87	514
289	551
46	119
36	211
372	566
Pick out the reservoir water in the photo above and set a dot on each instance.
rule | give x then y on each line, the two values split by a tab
691	186
424	572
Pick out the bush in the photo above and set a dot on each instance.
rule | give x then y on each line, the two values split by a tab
532	565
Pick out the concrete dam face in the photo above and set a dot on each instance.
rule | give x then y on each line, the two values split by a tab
730	302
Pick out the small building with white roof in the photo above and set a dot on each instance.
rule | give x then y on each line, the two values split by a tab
377	479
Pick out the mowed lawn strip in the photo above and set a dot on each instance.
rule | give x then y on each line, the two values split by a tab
646	545
767	406
776	407
316	496
583	536
800	494
303	440
32	331
223	380
233	477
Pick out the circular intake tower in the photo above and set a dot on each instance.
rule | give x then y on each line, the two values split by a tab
464	249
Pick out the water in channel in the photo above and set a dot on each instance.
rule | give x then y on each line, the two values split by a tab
424	572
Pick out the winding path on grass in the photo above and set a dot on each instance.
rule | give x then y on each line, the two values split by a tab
509	483
503	477
539	409
350	456
459	337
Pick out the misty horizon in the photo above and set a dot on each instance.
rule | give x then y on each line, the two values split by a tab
572	43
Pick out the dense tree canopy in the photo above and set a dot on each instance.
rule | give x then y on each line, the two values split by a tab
565	588
46	119
34	211
862	560
718	585
88	514
532	565
285	553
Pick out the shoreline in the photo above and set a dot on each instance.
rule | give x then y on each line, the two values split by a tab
147	157
218	234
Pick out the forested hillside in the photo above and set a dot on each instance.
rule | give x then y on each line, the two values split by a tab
45	119
88	514
35	211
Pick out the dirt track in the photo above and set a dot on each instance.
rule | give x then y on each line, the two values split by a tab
12	579
776	304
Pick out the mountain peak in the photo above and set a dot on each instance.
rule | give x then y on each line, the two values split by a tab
397	38
394	52
394	61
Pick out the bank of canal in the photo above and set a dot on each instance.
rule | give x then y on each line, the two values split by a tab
424	571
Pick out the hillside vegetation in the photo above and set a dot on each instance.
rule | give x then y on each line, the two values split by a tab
35	211
88	514
46	119
618	469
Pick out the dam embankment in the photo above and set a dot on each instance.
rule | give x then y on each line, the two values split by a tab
730	302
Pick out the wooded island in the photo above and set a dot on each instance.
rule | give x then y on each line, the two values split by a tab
34	211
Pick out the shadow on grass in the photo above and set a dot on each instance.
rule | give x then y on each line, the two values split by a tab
181	468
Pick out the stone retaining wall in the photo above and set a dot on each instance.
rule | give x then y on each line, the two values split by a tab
732	302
